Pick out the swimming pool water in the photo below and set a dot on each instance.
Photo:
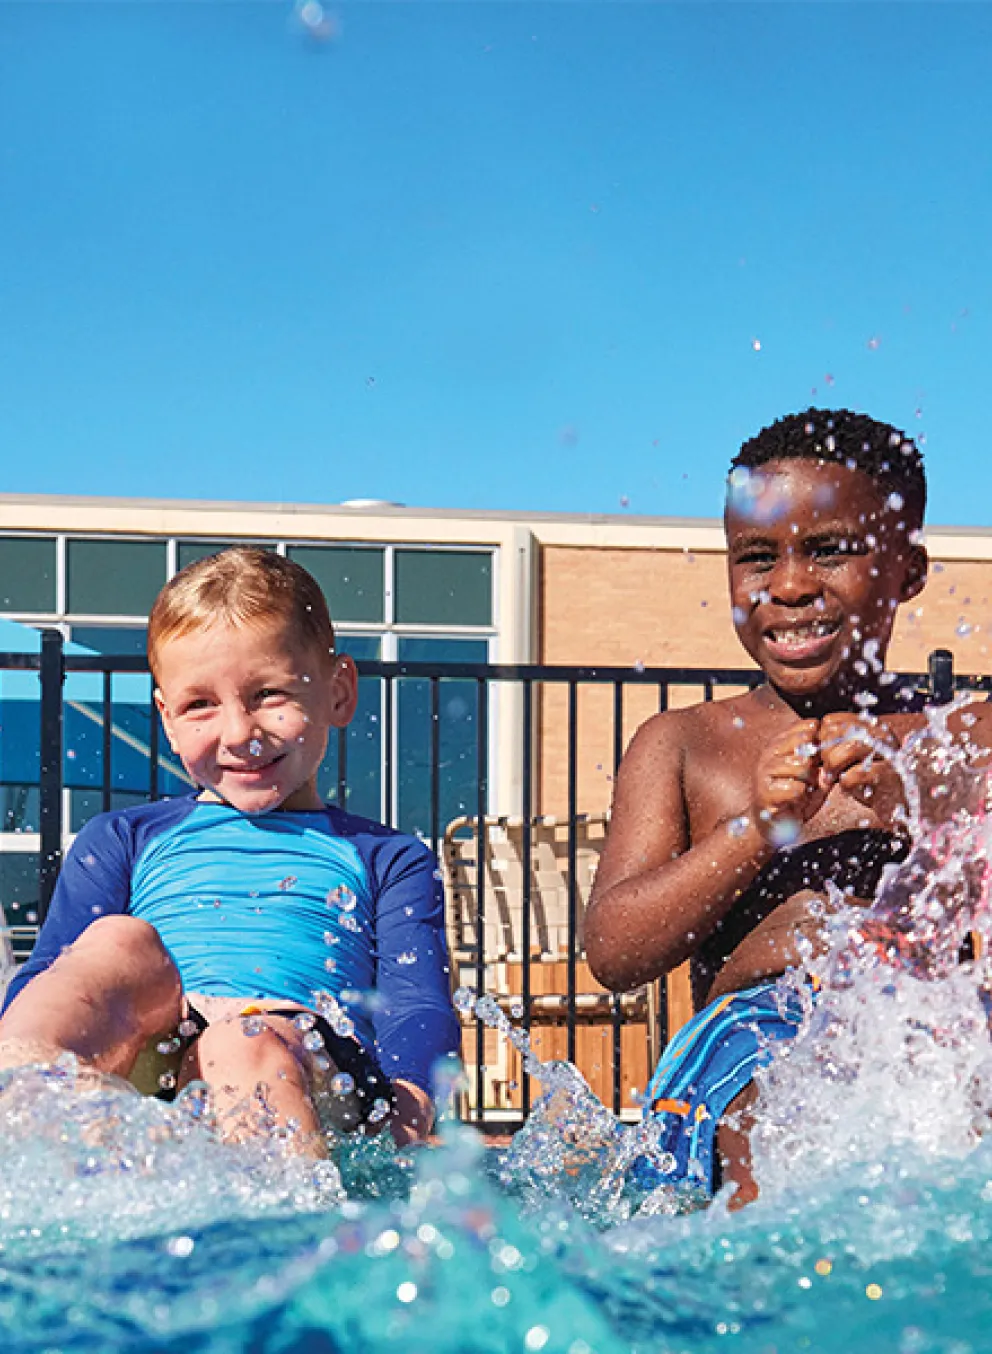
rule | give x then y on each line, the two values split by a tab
145	1234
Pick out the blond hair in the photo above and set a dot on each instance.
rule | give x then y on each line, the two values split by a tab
241	586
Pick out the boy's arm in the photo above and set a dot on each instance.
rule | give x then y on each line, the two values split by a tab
658	893
415	1020
93	882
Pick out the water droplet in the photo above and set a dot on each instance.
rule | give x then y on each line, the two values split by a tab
349	923
894	502
874	343
304	1021
168	1046
167	1081
380	1108
255	747
407	957
343	1083
756	345
188	1029
963	629
738	826
290	882
312	1041
638	665
252	1026
785	832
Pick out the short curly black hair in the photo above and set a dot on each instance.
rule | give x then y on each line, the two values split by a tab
885	453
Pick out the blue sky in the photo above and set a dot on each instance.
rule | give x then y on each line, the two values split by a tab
556	256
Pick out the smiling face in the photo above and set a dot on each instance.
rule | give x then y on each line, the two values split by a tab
819	560
247	709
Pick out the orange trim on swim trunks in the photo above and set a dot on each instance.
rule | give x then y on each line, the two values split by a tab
707	1018
670	1106
251	1009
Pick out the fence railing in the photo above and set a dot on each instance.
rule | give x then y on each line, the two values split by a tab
505	770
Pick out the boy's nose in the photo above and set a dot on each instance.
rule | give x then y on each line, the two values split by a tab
792	581
239	726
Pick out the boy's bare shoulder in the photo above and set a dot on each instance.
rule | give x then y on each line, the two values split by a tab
973	721
700	735
702	723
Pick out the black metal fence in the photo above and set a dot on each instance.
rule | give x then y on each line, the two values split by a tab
451	775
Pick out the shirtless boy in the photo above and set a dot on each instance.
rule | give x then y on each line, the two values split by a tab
295	951
731	817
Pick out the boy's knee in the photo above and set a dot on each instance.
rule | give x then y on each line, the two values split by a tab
130	948
247	1057
127	937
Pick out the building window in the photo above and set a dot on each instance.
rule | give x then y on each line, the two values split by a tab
112	639
113	578
457	746
27	574
188	552
352	579
443	587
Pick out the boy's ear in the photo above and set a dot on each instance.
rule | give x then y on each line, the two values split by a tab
343	691
163	711
917	568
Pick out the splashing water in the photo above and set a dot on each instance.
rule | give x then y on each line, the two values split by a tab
125	1223
894	1061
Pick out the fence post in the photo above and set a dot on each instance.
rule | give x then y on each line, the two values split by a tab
940	666
50	777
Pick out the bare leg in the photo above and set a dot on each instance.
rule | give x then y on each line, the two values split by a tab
235	1065
114	989
733	1142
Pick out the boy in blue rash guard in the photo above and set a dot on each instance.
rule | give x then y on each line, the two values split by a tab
732	819
245	916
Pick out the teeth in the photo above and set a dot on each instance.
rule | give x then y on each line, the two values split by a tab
796	634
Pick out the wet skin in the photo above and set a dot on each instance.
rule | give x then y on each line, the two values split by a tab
818	561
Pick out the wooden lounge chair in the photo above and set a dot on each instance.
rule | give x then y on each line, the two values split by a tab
537	954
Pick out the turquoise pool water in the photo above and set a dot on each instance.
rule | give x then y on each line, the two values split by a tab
125	1226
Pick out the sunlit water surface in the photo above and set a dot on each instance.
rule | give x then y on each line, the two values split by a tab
125	1224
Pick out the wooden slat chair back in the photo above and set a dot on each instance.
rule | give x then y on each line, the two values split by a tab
503	884
7	960
506	947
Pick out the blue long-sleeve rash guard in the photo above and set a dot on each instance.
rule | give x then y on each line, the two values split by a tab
282	905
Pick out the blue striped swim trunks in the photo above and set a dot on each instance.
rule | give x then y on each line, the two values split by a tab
706	1064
